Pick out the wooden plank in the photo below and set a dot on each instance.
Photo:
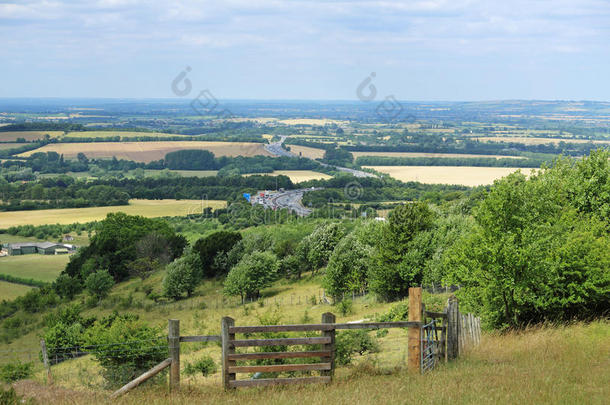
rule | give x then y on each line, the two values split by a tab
149	374
279	355
432	314
280	328
174	353
187	339
278	368
329	318
279	381
414	332
378	325
227	349
280	341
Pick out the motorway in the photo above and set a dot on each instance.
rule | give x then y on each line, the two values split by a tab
277	149
290	199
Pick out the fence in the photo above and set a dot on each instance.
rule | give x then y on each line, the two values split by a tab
433	337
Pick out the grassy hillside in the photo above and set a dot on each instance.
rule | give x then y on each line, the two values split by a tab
39	267
542	365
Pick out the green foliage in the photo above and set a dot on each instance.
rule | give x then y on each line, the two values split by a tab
183	276
254	272
321	243
348	267
351	342
403	248
204	365
126	347
398	312
211	250
345	307
11	372
539	250
99	283
66	286
10	397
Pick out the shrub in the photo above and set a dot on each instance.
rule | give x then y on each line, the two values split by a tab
126	347
254	272
10	397
15	371
345	307
99	283
205	365
353	341
398	312
183	276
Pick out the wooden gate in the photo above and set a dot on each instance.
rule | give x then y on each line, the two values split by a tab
230	358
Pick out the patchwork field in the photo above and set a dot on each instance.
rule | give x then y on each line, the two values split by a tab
149	151
10	291
146	208
185	173
107	134
9	145
306	151
537	141
463	175
429	155
36	266
27	135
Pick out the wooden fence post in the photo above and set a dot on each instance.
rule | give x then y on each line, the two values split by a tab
414	332
453	314
45	360
329	318
227	348
174	353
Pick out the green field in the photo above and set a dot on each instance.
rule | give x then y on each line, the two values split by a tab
36	266
122	134
10	291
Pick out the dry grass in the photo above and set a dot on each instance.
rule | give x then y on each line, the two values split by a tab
4	146
149	151
146	208
36	266
10	291
428	155
306	151
27	135
464	175
543	365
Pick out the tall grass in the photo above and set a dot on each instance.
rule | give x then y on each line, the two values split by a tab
541	365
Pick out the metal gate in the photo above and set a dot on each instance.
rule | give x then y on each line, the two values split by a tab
429	349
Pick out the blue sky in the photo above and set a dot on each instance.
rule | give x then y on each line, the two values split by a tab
419	50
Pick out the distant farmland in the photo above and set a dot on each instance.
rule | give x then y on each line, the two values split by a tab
36	266
149	151
27	135
429	155
538	141
146	208
463	175
296	176
306	151
122	134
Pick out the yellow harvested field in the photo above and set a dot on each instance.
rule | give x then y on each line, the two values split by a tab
12	136
149	151
146	208
306	151
311	121
428	155
122	134
537	141
462	175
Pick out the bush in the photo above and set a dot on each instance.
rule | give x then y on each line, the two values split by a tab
205	365
10	397
126	347
398	312
353	341
345	307
99	283
15	371
183	276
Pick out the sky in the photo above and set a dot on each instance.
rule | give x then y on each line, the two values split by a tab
290	49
